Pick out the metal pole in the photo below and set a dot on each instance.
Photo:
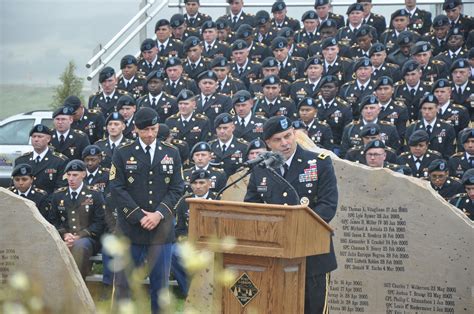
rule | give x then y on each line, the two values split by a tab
143	33
120	33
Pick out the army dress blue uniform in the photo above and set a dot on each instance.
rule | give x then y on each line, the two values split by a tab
217	176
420	170
174	88
450	188
134	87
165	105
232	157
216	104
320	133
396	113
105	103
464	203
197	129
459	163
357	154
73	144
442	136
281	106
411	96
92	123
337	114
250	130
39	197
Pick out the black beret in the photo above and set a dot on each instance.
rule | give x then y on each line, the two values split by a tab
145	117
222	23
376	47
40	128
466	134
106	73
208	74
244	31
114	116
438	165
364	30
255	144
177	20
362	62
307	101
219	62
201	147
383	80
126	100
329	23
186	1
191	41
200	174
328	42
156	74
223	118
75	165
241	96
185	94
286	32
420	46
270	80
309	15
368	100
400	12
22	170
262	17
278	6
428	98
299	125
147	44
468	177
269	62
441	83
67	111
370	129
327	79
318	3
410	66
160	23
163	132
364	1
451	4
454	31
72	101
208	25
355	7
91	150
126	60
279	43
275	124
405	38
314	60
172	61
239	44
417	137
440	20
460	64
374	144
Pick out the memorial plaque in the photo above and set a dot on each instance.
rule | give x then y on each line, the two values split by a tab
29	244
244	289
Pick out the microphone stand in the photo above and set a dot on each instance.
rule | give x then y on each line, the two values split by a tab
235	182
284	181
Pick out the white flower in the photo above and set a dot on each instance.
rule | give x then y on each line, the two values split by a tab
19	281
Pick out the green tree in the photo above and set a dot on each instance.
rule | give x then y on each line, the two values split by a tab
70	85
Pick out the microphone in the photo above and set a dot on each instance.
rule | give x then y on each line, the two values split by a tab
260	158
275	161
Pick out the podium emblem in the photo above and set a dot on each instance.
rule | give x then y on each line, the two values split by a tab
244	289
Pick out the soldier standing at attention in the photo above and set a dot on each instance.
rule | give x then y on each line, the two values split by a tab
312	176
146	181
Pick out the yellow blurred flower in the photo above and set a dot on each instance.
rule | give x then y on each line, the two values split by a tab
227	277
228	243
19	281
114	245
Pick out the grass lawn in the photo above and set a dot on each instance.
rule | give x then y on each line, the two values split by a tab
18	98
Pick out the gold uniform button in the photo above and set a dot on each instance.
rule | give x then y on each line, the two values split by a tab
73	212
73	227
285	194
150	202
150	192
74	219
150	182
151	172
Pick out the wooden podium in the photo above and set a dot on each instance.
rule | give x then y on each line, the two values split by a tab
272	242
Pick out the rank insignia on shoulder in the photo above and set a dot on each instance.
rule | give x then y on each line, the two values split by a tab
323	156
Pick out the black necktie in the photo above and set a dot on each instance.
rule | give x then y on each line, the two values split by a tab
209	48
90	177
413	92
234	19
459	91
224	147
173	85
206	99
193	66
428	129
453	56
61	140
153	101
219	86
242	122
191	20
417	163
147	149
241	70
162	47
150	66
107	99
24	195
471	161
285	170
185	123
74	196
113	147
362	88
38	159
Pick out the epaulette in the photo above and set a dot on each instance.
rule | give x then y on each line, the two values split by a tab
201	116
429	83
169	96
455	179
259	81
62	189
242	141
286	98
125	144
96	94
284	81
444	121
404	154
356	122
299	80
359	147
342	101
345	59
178	141
122	92
392	65
460	195
458	154
377	15
400	103
459	106
206	59
167	144
301	45
141	76
163	59
174	116
348	83
401	82
438	62
57	154
390	149
213	141
104	169
315	42
93	188
301	59
26	154
387	31
413	123
217	169
214	195
323	123
434	152
94	111
79	132
323	156
40	191
260	44
385	122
